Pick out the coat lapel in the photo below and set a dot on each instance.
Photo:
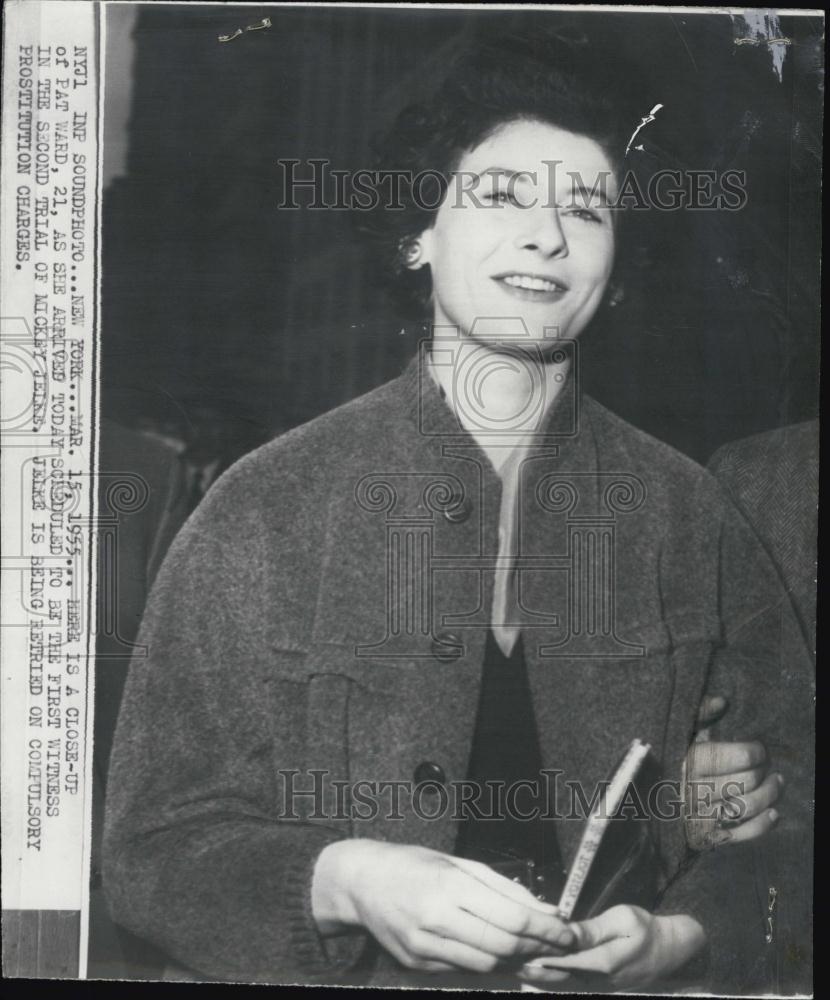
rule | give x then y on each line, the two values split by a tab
600	677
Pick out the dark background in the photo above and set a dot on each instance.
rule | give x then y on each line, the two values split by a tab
223	313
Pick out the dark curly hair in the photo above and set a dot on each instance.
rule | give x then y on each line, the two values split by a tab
491	82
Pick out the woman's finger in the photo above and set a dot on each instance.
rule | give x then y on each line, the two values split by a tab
513	916
483	935
605	958
505	886
606	926
539	975
426	966
739	808
453	953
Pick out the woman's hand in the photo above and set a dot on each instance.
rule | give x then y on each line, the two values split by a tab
433	912
626	944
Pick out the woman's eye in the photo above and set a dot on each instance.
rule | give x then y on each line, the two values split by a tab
501	197
586	214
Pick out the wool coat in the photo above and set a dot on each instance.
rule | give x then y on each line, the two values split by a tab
773	480
326	610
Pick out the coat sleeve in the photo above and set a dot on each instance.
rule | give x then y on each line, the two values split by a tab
763	667
197	858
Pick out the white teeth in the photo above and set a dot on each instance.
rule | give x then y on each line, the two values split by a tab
532	284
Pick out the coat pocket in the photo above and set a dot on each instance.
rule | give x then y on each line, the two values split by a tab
308	713
324	659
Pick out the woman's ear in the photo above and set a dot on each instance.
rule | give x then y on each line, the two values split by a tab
418	251
426	242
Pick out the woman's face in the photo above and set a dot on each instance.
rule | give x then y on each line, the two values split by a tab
518	238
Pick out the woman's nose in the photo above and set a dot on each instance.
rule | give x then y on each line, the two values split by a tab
542	231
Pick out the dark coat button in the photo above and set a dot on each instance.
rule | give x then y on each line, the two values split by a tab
427	770
458	510
447	647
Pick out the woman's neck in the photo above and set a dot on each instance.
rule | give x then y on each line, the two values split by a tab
499	396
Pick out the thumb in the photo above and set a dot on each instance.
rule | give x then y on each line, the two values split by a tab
597	930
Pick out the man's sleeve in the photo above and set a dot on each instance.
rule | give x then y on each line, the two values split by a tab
196	856
763	667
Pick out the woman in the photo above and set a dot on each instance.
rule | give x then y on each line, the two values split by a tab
388	602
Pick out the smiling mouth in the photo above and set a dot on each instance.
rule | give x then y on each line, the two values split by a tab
531	286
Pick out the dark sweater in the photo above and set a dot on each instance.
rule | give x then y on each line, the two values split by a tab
506	751
273	646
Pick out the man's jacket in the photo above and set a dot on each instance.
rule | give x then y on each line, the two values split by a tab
773	480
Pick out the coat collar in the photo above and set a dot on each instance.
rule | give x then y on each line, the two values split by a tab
421	463
434	418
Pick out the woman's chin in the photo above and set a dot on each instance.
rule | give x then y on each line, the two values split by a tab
521	338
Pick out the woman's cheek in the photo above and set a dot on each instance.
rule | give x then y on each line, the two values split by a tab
608	249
